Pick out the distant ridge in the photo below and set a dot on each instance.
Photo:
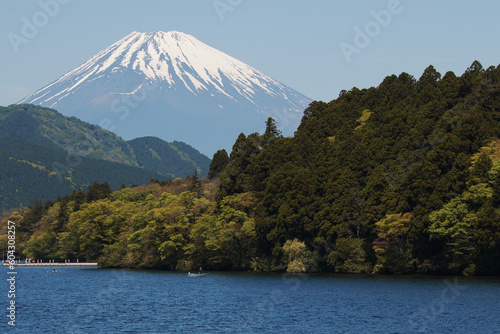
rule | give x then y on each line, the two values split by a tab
44	154
49	128
177	159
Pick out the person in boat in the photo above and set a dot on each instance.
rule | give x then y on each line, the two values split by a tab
54	270
200	271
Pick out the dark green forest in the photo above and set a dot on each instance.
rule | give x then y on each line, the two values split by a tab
49	128
31	172
402	178
171	160
44	154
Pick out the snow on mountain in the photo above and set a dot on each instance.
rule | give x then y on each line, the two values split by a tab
171	85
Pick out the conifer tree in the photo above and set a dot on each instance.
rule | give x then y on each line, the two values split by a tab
272	132
218	164
195	185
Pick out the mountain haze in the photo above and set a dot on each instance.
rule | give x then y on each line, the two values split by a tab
171	85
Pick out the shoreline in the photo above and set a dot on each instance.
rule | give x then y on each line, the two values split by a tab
53	264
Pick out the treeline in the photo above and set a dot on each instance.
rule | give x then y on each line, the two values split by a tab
173	224
402	178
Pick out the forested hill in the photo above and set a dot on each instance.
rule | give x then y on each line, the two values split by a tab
44	154
176	159
31	172
47	127
401	178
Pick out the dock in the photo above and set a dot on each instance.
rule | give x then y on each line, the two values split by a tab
53	264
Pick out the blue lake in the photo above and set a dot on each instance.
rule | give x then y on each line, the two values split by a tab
91	300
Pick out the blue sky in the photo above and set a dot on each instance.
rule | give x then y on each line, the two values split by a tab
316	47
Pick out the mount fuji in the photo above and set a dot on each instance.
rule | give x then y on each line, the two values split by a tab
171	85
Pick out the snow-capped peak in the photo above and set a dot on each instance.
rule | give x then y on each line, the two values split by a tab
165	56
179	78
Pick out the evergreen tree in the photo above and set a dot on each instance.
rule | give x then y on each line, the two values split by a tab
219	162
98	191
195	184
272	132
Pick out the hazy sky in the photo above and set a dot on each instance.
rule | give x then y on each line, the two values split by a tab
316	47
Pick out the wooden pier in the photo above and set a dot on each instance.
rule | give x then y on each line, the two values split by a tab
53	264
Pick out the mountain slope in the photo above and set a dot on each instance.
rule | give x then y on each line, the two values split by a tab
171	85
77	139
31	172
49	128
177	159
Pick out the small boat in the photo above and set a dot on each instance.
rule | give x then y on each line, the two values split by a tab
196	275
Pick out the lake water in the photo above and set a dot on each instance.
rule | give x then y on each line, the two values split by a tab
91	300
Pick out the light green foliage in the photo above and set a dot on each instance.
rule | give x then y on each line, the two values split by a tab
392	246
453	225
96	225
294	249
296	266
42	246
225	239
459	222
365	115
298	258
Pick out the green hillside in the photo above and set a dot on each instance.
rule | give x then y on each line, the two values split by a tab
30	172
169	159
47	127
76	153
392	179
